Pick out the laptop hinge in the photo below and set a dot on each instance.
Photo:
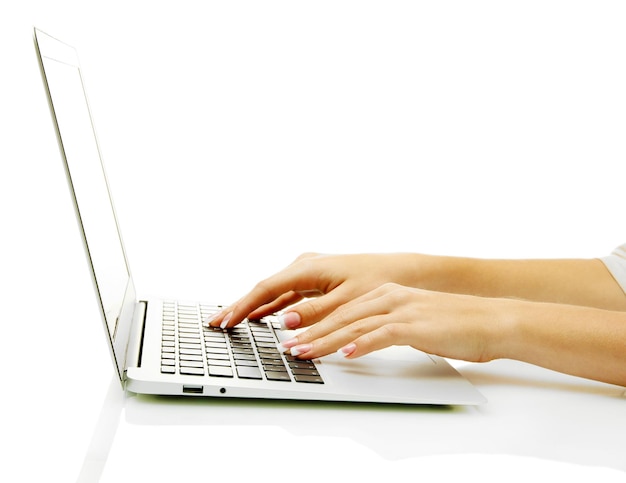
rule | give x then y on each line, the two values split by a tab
135	340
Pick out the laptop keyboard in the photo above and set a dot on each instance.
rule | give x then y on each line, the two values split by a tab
247	351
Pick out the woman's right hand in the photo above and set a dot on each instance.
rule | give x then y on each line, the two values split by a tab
328	281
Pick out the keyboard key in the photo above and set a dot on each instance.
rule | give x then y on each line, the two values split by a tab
192	371
214	334
240	343
269	352
220	371
189	340
275	367
212	354
266	339
301	365
277	376
190	357
248	372
184	350
216	344
187	345
250	357
308	379
245	354
305	372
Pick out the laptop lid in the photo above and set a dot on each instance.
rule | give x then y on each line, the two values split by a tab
87	179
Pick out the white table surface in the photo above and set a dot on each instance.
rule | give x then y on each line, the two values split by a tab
536	424
273	128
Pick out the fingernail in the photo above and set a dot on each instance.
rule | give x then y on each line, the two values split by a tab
290	320
348	349
300	349
206	322
290	343
226	320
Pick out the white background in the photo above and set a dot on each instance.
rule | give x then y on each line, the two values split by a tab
237	135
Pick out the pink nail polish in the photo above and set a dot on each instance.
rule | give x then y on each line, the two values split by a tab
290	320
207	322
300	349
348	349
288	344
226	320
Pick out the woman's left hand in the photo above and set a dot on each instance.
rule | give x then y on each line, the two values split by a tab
449	325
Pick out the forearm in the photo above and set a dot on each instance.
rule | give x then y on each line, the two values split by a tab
581	341
577	282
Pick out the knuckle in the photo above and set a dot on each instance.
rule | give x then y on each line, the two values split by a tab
343	317
367	341
390	331
398	294
312	310
303	265
264	289
391	289
339	318
306	255
383	336
360	328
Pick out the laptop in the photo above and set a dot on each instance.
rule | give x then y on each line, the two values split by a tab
161	347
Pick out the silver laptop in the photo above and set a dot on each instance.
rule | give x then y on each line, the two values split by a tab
161	346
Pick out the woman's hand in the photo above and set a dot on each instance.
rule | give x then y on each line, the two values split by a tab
578	340
450	325
329	281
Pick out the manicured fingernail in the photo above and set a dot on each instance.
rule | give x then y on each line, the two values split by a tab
226	320
300	349
290	320
206	322
348	349
288	344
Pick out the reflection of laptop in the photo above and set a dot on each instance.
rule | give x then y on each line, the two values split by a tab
161	347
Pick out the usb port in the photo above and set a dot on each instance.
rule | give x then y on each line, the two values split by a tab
193	389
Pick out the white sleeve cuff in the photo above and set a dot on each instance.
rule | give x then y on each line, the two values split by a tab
616	263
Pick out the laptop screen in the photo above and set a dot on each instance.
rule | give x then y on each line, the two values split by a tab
86	173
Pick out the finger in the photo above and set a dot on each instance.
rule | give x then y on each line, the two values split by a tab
283	302
376	293
386	335
342	326
280	303
336	340
342	309
314	310
298	277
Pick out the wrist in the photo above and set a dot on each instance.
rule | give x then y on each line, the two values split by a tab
504	329
439	273
413	269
